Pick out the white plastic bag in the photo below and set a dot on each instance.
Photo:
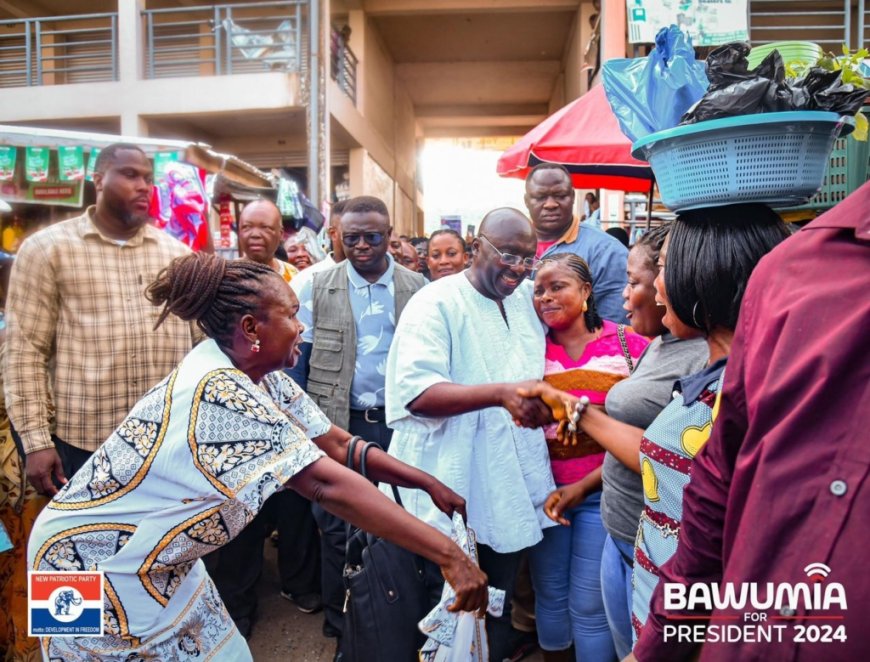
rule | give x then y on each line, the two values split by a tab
469	642
458	637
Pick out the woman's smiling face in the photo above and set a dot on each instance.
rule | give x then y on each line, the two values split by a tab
559	295
446	256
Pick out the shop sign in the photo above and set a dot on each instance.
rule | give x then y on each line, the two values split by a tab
52	192
708	22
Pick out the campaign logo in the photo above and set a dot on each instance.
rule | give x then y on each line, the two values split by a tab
65	604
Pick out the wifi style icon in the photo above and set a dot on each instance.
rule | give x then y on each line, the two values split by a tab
818	572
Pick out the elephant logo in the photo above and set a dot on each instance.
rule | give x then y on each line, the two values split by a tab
67	603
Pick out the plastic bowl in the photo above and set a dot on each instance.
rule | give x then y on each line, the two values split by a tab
791	51
778	159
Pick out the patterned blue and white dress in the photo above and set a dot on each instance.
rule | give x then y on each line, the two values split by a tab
667	449
185	471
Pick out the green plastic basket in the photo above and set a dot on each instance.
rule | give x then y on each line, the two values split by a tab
791	52
848	169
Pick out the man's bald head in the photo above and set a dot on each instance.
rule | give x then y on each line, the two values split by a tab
263	207
506	236
507	223
260	231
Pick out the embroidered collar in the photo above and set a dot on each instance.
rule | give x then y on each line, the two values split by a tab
692	386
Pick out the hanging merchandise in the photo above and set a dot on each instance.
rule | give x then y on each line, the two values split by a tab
226	240
163	159
92	162
7	163
288	199
70	164
180	205
311	215
36	164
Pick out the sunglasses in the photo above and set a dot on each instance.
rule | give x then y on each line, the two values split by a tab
370	238
510	260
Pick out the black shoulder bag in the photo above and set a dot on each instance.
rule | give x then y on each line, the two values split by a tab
385	595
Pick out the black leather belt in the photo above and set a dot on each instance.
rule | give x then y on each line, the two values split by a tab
371	415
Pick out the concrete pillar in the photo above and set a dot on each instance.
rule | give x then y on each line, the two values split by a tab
48	43
613	29
131	47
357	21
613	45
356	170
133	125
206	41
317	111
584	29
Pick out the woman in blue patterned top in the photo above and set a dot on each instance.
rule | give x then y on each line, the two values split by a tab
705	264
193	463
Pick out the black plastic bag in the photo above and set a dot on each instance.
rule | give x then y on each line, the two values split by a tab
824	90
736	90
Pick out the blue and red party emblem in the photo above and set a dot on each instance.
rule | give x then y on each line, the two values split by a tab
65	604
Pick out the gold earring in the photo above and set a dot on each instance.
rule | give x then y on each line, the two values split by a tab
585	306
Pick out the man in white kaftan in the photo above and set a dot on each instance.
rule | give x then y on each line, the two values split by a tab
455	334
461	348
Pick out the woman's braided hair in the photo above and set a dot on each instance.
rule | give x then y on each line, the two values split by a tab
211	290
652	242
581	271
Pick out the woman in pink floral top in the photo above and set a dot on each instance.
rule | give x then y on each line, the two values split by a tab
585	356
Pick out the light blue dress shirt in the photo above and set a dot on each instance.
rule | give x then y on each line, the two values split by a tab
374	312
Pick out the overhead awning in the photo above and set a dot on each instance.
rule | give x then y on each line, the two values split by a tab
199	154
585	137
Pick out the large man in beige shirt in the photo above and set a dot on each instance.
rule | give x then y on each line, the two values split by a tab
81	348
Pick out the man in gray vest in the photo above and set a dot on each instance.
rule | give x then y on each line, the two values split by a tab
350	313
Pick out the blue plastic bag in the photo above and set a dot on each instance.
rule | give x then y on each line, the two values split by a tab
651	94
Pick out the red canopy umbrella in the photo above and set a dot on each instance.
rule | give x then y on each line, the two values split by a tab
584	136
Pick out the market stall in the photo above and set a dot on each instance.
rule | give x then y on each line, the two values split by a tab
45	177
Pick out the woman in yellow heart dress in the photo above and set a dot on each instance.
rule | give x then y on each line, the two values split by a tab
704	267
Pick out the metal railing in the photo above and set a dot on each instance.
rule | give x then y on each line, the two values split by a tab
218	40
825	22
343	64
863	24
55	50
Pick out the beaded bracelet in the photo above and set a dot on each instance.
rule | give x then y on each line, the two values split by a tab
579	409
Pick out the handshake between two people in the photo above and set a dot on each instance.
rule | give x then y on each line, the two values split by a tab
535	403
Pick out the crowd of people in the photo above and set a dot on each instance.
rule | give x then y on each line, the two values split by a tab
604	418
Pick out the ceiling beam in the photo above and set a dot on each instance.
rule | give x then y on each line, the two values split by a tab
15	11
477	132
473	83
492	120
405	7
479	110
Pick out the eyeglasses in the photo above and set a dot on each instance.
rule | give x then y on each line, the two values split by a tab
509	260
371	238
